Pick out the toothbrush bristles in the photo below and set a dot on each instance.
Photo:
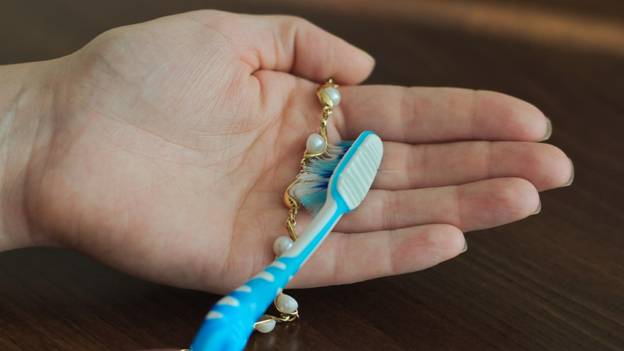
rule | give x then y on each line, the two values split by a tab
310	189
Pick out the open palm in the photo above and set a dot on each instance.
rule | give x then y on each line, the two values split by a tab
173	141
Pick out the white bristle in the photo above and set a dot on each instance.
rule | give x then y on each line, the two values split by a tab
352	184
310	190
358	174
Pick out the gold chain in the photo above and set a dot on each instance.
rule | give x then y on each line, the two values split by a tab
291	203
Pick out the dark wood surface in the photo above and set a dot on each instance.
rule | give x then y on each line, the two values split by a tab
551	282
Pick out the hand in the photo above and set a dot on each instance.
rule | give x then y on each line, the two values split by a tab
172	142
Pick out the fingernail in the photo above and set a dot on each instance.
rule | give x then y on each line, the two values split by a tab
465	247
539	208
571	180
549	130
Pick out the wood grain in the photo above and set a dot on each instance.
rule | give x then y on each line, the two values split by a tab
552	282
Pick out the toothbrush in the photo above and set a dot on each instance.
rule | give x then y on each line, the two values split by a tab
230	322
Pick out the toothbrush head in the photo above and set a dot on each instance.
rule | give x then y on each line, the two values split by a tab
312	184
356	171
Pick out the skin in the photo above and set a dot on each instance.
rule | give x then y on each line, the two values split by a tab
163	149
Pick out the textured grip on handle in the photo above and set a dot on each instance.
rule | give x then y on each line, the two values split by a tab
230	322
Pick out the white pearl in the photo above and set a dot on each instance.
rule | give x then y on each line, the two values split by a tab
329	96
315	143
286	304
281	244
265	326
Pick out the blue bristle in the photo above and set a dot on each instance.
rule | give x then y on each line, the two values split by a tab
314	201
311	187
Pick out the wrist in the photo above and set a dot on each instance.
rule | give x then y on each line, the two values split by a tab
26	116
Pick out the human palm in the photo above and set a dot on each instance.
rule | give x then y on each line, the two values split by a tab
173	141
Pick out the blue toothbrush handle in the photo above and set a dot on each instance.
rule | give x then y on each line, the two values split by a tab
230	322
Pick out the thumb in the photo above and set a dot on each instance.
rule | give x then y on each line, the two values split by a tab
292	44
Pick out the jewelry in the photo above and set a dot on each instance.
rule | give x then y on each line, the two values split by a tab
316	147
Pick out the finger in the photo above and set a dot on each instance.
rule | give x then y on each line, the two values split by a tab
345	258
473	206
406	166
292	44
419	115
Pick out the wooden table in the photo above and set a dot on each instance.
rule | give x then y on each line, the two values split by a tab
551	282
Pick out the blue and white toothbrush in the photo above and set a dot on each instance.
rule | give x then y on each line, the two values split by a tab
230	322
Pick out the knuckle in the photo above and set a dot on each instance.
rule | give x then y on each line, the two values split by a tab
390	210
